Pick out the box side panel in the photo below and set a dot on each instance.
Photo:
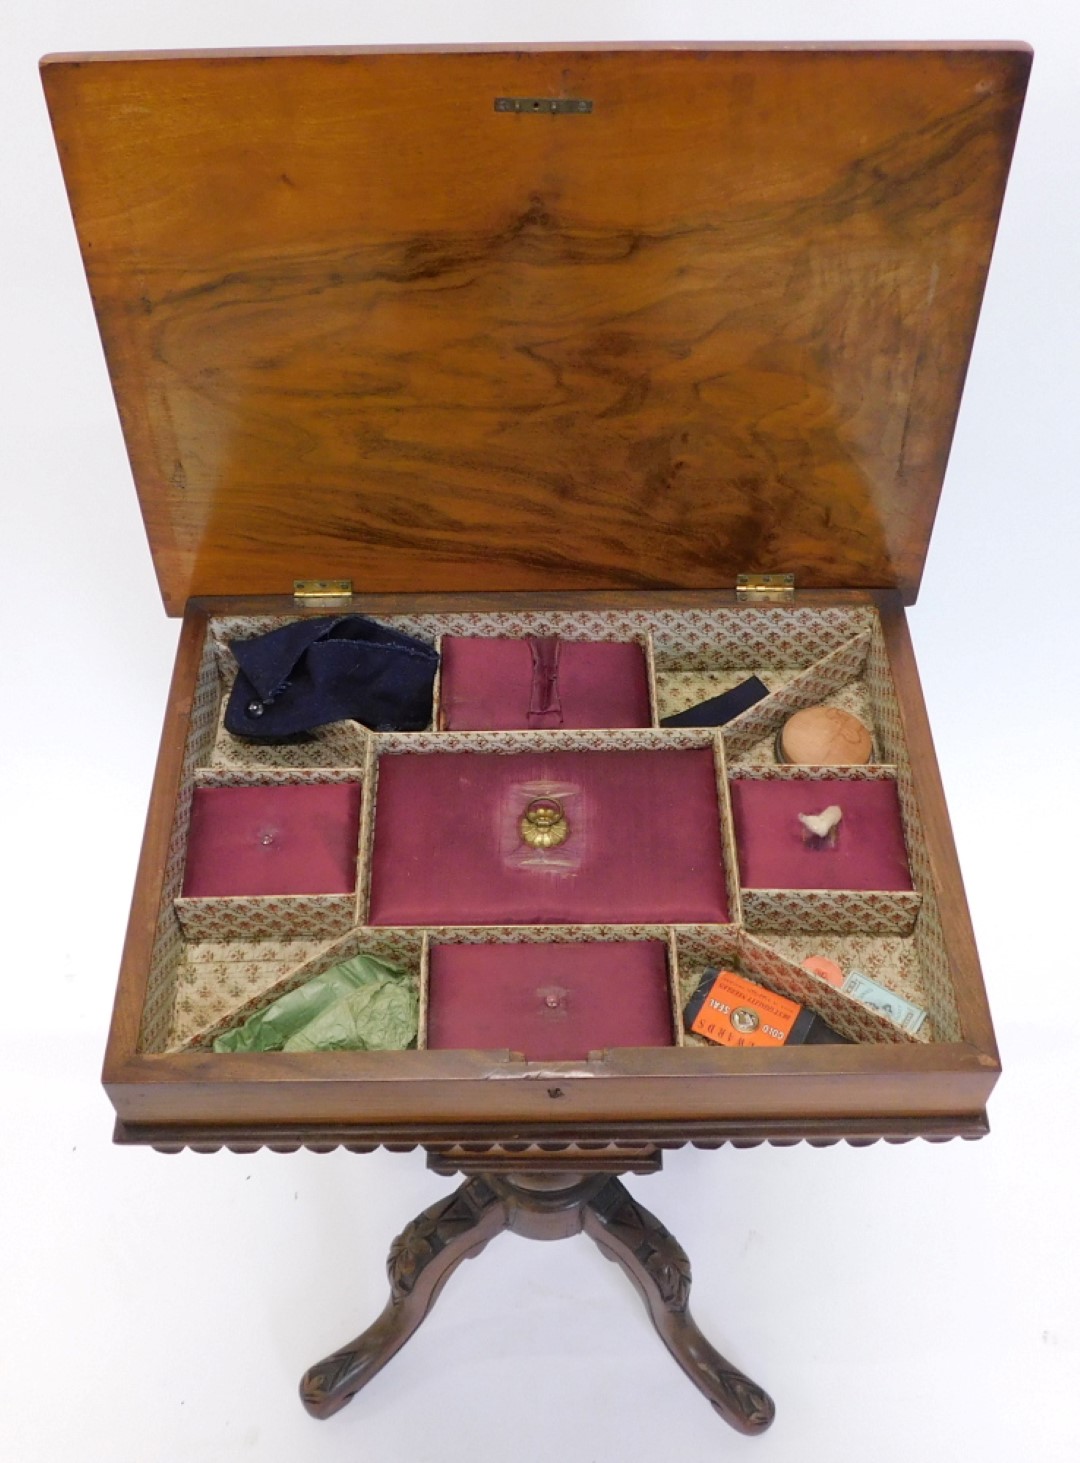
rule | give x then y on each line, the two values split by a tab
926	1089
142	1005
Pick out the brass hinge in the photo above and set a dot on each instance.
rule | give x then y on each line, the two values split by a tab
765	588
322	593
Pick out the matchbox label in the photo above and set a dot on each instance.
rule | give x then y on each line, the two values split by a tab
738	1012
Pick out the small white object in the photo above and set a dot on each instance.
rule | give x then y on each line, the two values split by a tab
821	824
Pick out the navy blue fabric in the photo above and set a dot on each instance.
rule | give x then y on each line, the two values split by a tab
345	668
721	709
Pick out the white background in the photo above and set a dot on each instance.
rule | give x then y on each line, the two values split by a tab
915	1302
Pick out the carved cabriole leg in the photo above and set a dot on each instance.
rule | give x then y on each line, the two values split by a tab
421	1260
538	1206
657	1264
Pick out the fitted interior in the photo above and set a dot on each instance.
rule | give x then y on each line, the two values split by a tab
217	961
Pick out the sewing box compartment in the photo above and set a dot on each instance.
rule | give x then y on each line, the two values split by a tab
204	964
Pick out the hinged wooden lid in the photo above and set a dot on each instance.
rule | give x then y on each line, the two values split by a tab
392	317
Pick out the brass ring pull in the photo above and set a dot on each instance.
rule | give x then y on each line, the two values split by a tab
543	824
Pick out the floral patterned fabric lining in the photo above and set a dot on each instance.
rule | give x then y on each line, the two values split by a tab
207	976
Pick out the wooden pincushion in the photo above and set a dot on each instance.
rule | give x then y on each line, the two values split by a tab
825	736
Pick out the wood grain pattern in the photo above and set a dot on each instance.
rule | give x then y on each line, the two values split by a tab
365	1092
361	325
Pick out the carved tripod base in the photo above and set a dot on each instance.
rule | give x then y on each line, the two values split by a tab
428	1251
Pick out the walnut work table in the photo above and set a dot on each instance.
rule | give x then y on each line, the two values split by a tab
661	344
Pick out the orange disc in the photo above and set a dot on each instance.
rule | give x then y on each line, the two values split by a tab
825	736
827	969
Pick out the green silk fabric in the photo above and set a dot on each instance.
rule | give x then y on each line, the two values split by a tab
363	1004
